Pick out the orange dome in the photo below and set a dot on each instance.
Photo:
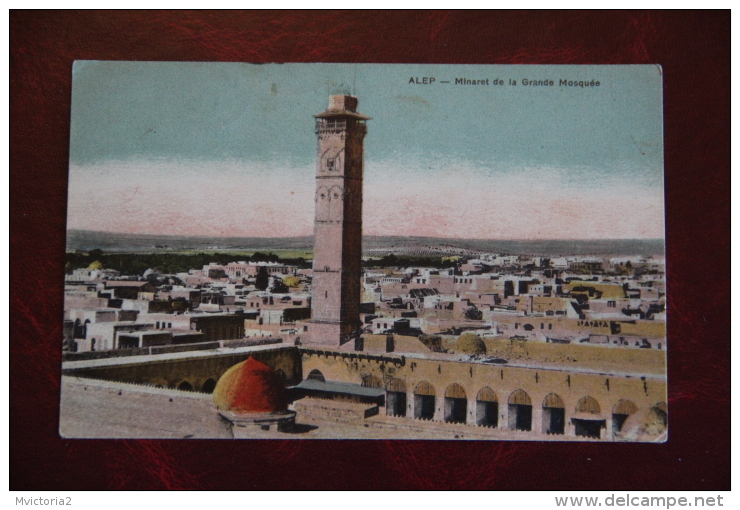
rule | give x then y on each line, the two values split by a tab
250	387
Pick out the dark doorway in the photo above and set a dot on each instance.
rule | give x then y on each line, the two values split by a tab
520	417
185	386
553	420
456	410
520	411
487	413
396	403
589	421
486	408
589	428
128	342
424	407
553	415
456	404
425	401
618	422
208	386
78	330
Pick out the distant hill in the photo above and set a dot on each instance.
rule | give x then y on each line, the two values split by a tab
85	240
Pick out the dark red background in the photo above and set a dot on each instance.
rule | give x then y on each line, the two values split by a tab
692	47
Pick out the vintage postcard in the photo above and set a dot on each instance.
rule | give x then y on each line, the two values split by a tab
313	251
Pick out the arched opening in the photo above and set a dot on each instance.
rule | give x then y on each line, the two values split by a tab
316	375
588	420
553	415
281	375
456	404
486	408
208	386
424	401
370	381
185	386
396	398
78	331
520	411
621	411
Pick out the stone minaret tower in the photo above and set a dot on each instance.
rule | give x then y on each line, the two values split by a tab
337	263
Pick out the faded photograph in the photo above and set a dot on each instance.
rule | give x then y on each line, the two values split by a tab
336	251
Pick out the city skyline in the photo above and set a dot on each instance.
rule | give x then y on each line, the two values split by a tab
222	149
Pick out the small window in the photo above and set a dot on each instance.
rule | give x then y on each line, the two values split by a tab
330	164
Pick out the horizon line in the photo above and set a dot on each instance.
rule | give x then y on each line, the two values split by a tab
374	235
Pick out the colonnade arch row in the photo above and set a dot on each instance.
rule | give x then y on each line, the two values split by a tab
395	404
425	401
553	415
588	420
486	408
456	404
420	402
520	411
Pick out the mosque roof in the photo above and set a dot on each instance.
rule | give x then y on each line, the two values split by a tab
250	387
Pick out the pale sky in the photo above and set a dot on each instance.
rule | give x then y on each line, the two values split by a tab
228	150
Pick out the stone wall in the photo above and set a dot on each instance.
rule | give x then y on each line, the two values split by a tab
645	392
195	370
